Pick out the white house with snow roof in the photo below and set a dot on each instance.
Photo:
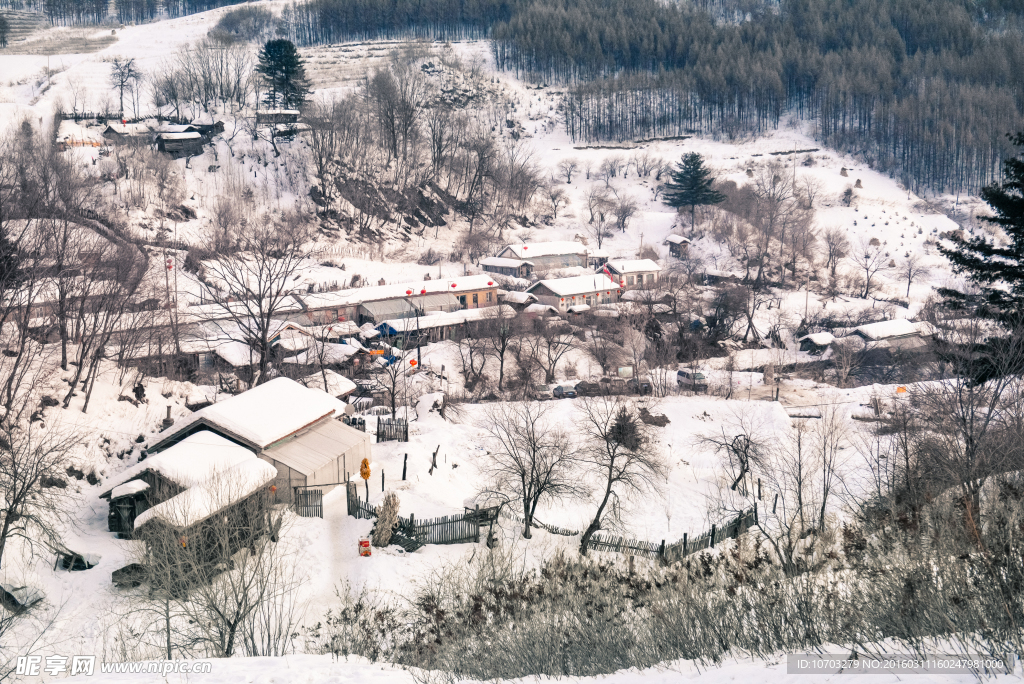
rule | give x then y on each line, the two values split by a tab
550	256
585	290
297	430
634	272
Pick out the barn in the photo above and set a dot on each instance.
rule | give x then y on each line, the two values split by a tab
185	144
297	430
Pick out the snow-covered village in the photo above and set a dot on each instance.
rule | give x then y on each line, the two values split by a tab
605	340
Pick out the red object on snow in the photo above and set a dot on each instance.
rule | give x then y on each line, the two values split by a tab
170	264
423	291
364	546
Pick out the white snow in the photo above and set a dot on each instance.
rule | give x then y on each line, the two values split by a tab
447	318
199	502
128	489
577	285
266	413
190	461
883	330
633	265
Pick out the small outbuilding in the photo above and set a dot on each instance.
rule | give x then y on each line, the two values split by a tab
186	144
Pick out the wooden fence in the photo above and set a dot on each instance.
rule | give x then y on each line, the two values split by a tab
460	528
309	503
390	429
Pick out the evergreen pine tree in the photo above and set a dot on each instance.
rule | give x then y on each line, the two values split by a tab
690	186
999	271
284	74
5	30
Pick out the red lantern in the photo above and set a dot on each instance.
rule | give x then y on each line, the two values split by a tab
490	282
412	362
525	247
273	488
453	284
562	299
423	291
170	264
408	292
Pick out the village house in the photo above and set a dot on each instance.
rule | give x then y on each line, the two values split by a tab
406	332
367	304
277	116
509	267
550	256
899	334
567	294
118	132
186	144
297	430
677	245
634	272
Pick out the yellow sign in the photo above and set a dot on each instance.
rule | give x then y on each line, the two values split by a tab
364	469
377	352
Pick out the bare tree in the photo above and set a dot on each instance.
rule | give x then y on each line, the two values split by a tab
598	201
533	460
567	167
545	349
870	259
253	283
847	356
619	454
124	75
837	248
625	210
500	334
556	197
218	572
910	269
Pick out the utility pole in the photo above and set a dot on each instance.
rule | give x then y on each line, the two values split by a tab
168	266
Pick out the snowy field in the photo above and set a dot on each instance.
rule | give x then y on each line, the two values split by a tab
324	551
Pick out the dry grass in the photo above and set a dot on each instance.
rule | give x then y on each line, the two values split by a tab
62	42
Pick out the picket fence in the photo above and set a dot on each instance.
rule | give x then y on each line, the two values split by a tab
465	527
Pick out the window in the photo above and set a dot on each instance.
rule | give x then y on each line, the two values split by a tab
462	301
489	295
650	277
629	280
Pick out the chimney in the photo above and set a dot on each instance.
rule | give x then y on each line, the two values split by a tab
167	421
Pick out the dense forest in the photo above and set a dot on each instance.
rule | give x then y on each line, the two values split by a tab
926	91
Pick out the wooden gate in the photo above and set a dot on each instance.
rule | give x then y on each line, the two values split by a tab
309	503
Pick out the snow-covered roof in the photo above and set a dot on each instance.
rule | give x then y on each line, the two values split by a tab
199	502
328	352
192	460
263	415
677	240
542	249
518	297
337	385
502	262
131	129
643	295
578	308
900	327
633	265
585	284
440	320
540	309
339	329
129	489
179	136
359	295
294	112
715	273
822	339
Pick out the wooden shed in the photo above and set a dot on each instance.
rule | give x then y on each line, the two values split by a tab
180	144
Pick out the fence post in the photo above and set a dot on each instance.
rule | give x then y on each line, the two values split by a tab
712	536
755	512
476	521
758	490
661	551
686	548
776	503
382	480
405	462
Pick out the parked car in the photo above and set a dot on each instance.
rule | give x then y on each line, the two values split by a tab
564	392
694	381
588	389
613	385
543	392
637	386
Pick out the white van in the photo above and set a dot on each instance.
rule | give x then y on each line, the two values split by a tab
695	381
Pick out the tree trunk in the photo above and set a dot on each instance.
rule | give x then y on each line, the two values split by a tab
595	524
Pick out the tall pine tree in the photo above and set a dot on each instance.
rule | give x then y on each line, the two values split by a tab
691	186
997	270
284	74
